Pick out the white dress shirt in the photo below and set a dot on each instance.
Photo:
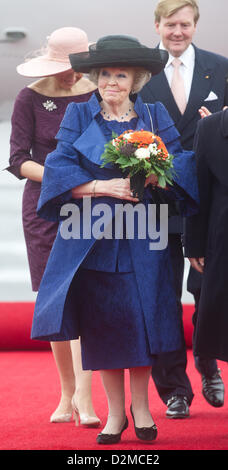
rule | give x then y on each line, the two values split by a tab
186	68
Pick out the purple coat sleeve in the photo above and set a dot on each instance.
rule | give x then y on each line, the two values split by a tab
22	133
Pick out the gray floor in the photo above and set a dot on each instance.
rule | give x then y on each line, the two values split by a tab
14	273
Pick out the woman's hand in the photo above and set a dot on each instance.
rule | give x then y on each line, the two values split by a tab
32	170
152	179
197	263
116	187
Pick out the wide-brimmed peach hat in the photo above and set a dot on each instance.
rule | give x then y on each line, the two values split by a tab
55	59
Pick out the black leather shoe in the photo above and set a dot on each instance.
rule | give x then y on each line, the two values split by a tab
111	438
213	389
145	434
177	407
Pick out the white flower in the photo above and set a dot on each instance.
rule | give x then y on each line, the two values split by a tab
114	142
153	148
142	153
127	135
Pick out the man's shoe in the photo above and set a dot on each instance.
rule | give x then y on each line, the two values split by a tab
177	407
213	389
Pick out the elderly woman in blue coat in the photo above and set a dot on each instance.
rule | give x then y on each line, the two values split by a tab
117	294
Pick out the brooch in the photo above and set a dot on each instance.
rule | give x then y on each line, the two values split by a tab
49	105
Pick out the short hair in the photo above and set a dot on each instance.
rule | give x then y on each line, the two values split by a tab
142	76
166	8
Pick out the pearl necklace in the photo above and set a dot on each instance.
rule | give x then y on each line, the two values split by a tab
109	116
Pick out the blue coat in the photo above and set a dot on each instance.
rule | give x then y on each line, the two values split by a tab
77	160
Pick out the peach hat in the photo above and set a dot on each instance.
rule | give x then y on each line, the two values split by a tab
61	43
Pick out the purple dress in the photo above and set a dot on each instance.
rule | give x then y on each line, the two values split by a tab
35	122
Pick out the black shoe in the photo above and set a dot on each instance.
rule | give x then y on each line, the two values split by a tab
177	407
213	389
145	434
111	438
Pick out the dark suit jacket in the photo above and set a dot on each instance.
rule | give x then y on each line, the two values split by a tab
211	148
210	74
207	235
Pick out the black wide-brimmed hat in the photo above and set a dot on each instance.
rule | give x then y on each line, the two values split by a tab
119	51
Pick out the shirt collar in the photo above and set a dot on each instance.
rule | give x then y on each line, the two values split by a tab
187	58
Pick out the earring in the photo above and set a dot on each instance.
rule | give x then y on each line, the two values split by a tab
79	75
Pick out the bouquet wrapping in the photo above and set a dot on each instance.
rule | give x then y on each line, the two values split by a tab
138	154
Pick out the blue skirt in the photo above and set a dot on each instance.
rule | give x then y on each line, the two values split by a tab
111	321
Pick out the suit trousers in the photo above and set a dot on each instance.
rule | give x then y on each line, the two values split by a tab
204	365
169	372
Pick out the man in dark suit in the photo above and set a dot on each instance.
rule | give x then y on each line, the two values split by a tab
200	78
206	235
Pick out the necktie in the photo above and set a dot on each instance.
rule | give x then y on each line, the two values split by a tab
177	86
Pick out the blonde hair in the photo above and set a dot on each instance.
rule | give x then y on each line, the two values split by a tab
141	77
166	8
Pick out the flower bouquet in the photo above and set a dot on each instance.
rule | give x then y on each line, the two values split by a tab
139	154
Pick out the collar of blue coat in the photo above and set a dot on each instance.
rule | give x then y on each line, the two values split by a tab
92	140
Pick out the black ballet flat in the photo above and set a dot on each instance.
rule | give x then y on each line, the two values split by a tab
145	434
111	438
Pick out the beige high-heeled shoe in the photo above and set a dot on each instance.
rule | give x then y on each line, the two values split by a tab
60	418
63	412
84	419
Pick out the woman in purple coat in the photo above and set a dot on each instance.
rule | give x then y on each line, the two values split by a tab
38	112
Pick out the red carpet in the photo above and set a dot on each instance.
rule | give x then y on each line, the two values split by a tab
16	320
30	392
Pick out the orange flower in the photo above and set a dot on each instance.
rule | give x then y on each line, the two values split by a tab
142	137
162	147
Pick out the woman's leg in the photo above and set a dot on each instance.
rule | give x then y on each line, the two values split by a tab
83	383
63	358
139	381
113	382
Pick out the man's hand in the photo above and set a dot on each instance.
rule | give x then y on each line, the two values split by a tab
197	263
204	112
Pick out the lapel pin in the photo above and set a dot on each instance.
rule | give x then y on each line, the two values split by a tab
207	76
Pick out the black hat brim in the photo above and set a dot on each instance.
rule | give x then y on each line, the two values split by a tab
153	60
